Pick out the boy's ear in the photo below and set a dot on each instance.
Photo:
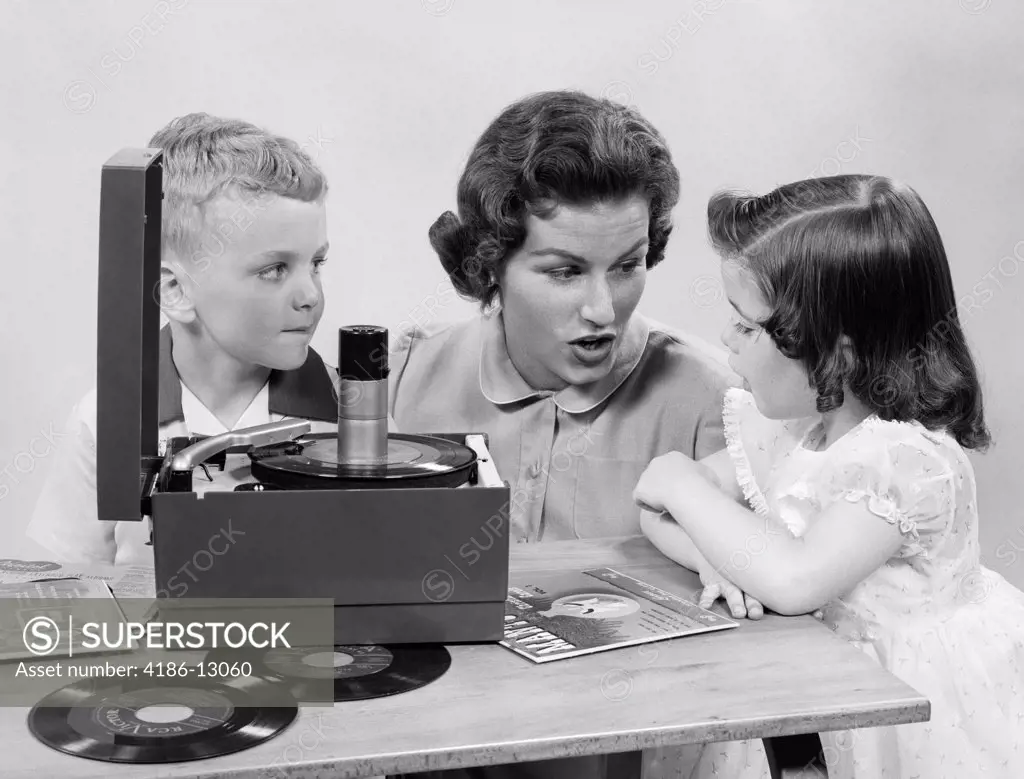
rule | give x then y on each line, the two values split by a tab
172	294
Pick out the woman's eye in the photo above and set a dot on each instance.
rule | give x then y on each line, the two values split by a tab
741	328
563	274
318	263
629	267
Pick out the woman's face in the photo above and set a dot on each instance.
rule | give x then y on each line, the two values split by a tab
570	289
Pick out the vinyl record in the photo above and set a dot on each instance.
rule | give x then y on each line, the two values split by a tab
173	720
359	672
312	462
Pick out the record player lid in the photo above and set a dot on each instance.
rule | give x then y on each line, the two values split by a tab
128	325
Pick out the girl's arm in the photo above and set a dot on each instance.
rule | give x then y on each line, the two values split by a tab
789	575
721	465
666	534
670	539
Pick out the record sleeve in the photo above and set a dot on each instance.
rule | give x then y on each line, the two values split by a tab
561	614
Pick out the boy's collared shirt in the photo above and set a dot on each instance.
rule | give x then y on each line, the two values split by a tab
65	519
572	458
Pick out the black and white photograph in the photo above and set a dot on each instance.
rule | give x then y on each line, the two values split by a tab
452	389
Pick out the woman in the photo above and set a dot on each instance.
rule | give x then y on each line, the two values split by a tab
563	208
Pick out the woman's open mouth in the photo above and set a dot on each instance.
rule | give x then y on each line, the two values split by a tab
593	350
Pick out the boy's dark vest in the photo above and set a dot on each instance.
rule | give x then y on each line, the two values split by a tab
307	392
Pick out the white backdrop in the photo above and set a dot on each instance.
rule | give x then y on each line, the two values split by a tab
390	96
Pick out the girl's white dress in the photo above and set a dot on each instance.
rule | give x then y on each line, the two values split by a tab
932	615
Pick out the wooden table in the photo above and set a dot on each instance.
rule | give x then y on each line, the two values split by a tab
766	679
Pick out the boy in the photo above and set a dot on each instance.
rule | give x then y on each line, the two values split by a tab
243	237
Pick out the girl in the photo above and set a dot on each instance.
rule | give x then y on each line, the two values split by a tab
860	397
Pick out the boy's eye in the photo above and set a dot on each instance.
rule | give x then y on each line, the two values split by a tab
273	273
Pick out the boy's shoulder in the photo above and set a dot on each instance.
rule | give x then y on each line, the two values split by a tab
84	412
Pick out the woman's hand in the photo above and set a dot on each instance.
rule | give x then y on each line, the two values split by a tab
667	475
717	586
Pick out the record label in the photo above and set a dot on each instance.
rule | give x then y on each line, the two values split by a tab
359	672
139	713
343	662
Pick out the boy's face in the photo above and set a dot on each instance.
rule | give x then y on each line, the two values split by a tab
253	289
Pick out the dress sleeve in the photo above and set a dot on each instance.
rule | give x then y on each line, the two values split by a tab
902	476
755	443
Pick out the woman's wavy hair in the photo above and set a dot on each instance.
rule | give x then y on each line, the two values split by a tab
859	256
547	150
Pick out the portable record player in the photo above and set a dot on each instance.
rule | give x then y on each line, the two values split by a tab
407	533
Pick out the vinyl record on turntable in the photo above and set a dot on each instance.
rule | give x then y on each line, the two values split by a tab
359	672
313	462
363	454
171	720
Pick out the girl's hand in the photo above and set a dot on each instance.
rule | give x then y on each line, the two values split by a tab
717	586
667	475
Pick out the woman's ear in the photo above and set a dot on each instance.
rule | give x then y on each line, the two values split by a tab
172	294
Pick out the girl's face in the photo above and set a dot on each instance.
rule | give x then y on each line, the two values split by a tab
569	291
780	385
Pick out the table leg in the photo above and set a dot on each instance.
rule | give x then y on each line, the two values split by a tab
796	757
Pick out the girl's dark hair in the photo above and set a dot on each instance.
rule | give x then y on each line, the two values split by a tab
859	256
546	150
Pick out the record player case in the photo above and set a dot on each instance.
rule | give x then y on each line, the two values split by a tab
409	565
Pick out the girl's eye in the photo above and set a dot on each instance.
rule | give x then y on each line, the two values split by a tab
273	273
741	328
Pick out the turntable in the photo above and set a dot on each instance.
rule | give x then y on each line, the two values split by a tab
407	533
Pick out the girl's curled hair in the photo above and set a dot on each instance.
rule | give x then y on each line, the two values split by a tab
858	260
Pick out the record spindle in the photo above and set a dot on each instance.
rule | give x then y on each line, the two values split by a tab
363	395
362	453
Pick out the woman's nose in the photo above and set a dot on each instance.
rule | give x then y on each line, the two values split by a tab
599	308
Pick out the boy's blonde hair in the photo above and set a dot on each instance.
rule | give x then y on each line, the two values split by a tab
207	156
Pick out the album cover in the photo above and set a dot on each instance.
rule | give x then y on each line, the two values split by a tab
48	607
125	581
552	615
